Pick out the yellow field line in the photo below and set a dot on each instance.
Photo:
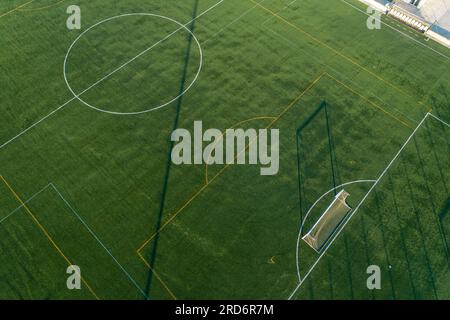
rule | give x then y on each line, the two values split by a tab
42	8
234	126
173	216
16	9
36	221
157	276
297	99
333	50
275	119
224	168
370	102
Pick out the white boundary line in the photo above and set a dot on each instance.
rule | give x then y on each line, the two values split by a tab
364	198
399	31
294	46
99	241
22	205
440	120
278	12
84	224
67	102
309	211
77	96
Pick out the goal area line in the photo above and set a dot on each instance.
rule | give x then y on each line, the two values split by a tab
377	181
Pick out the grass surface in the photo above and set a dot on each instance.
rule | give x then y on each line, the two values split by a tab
140	227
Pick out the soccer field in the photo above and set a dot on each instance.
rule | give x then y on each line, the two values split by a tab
86	176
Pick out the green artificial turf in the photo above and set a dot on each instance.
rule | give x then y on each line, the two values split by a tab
140	227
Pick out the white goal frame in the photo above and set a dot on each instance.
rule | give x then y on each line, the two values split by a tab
339	200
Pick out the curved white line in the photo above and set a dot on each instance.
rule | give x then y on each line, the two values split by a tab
309	211
77	96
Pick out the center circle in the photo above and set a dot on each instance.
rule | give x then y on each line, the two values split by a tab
124	64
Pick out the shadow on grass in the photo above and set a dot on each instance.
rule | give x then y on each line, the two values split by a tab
154	246
402	234
323	107
328	123
416	212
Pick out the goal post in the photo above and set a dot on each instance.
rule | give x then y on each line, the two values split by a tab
330	220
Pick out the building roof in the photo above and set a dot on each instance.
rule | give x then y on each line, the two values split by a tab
411	9
435	12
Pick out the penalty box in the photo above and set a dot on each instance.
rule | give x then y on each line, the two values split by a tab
56	237
416	171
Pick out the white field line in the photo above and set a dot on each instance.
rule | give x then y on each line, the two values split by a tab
130	61
399	31
363	200
22	205
36	123
99	241
294	46
107	76
284	8
84	224
440	120
309	211
233	22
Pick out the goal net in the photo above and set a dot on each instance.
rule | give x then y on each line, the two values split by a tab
330	220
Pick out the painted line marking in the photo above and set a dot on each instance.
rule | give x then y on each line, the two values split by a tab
70	100
365	197
47	235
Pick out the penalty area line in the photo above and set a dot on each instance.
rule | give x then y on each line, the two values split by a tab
83	222
36	123
309	211
362	202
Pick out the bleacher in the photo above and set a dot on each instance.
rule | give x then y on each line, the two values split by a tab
409	14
